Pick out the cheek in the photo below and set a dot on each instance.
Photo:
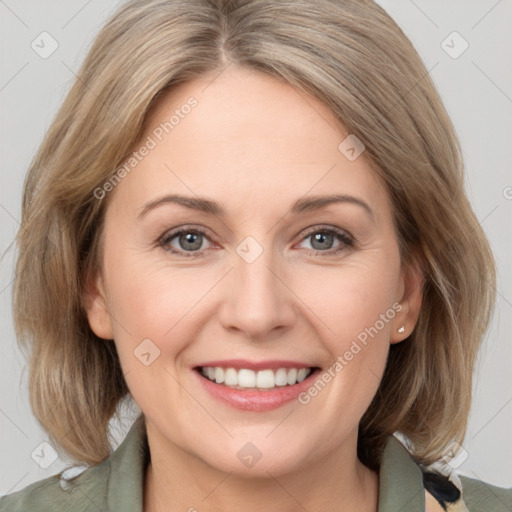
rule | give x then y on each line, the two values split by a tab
351	298
156	302
157	314
354	306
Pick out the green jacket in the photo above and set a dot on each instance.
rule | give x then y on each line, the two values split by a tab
116	485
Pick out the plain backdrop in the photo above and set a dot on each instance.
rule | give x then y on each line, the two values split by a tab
467	48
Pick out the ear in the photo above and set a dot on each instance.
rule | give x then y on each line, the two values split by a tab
95	305
413	279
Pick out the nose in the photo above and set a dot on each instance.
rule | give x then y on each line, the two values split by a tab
257	299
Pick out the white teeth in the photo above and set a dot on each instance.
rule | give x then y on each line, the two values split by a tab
292	376
219	375
231	377
301	374
281	377
246	378
265	379
261	379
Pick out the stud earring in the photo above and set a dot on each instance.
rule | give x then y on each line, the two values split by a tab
401	329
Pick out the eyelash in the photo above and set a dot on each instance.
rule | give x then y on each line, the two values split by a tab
346	240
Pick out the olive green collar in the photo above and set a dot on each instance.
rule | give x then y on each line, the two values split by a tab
401	480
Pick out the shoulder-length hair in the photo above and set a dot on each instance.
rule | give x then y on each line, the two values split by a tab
350	55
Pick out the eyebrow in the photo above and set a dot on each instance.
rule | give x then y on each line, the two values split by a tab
210	207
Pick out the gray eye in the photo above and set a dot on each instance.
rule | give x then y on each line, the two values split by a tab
321	240
190	241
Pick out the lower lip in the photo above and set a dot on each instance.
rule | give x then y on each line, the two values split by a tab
254	400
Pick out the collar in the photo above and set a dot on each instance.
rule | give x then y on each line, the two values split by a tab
400	480
122	476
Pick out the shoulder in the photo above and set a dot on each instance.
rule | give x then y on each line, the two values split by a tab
27	498
55	493
406	484
113	484
460	493
479	495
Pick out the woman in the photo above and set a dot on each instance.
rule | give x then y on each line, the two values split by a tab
172	250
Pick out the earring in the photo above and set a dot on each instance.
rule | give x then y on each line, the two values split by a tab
401	329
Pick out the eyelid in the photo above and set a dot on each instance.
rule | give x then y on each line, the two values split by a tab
325	228
165	239
347	239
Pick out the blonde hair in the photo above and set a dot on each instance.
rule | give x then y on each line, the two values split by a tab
347	53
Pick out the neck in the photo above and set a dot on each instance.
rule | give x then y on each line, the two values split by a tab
179	481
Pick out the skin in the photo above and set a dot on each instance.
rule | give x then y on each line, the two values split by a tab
255	145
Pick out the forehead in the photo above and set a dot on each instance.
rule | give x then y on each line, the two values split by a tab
247	139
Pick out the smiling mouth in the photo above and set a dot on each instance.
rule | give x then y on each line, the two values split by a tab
261	380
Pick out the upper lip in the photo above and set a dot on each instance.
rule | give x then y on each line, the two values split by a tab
238	364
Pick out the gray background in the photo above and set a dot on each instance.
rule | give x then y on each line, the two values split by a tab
476	88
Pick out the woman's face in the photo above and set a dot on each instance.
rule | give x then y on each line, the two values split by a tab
269	279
